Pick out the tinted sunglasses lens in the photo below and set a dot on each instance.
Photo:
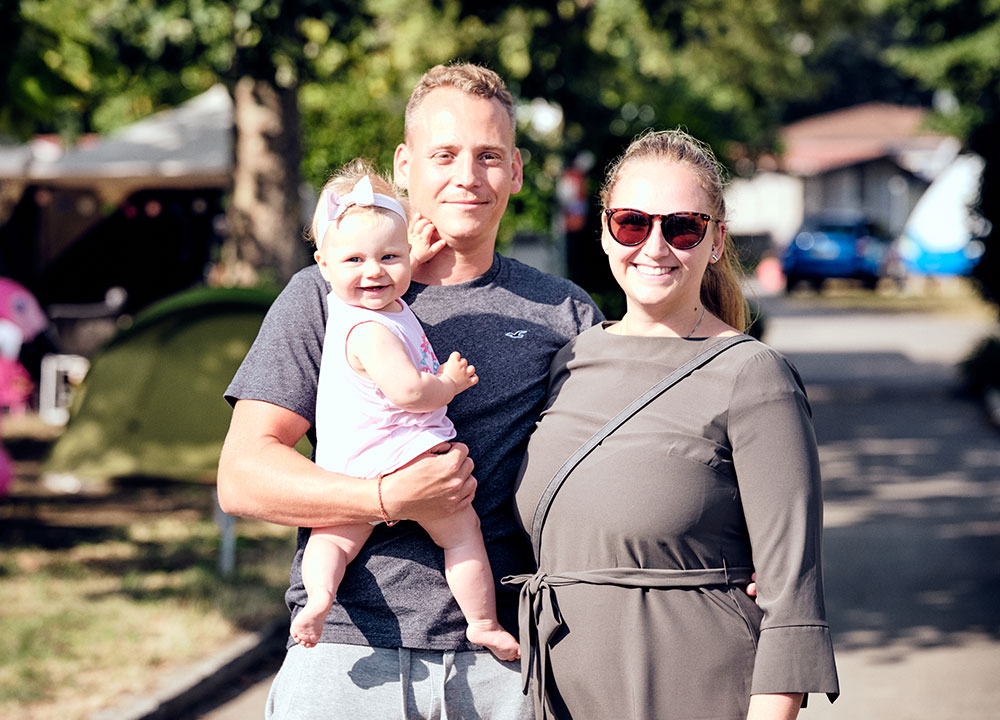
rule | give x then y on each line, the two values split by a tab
684	230
630	227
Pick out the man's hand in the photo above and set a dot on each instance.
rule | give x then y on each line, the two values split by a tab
425	242
431	486
752	587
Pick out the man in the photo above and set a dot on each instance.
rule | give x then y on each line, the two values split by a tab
394	644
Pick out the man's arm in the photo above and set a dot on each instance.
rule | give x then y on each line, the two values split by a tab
261	475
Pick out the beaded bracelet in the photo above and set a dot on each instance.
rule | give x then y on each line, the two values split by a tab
381	506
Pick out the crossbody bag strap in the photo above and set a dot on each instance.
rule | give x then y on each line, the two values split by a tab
545	501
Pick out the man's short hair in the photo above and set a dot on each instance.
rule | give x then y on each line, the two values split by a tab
471	79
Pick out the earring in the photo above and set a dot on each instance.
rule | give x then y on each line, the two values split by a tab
714	257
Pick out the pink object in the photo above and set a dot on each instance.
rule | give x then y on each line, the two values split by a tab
362	433
18	305
770	275
16	385
6	472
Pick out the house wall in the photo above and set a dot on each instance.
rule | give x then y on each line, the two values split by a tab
768	204
879	189
775	204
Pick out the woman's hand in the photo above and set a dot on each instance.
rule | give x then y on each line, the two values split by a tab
774	706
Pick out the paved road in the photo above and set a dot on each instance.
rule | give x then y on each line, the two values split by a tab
912	542
912	489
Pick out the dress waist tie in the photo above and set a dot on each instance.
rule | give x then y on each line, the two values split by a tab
538	613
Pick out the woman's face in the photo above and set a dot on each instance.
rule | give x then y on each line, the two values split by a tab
658	279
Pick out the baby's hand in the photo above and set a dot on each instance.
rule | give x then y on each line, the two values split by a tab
457	369
425	242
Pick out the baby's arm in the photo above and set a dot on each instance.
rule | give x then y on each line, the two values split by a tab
375	352
425	242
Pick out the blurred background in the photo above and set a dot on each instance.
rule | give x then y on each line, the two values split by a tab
160	159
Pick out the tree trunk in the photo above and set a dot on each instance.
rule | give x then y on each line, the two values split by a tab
264	218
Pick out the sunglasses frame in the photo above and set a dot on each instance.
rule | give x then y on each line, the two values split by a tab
608	212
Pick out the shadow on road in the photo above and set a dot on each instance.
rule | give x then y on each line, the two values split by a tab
911	475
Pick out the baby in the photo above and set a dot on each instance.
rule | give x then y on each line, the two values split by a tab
382	397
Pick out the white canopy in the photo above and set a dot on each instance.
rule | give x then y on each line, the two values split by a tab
188	146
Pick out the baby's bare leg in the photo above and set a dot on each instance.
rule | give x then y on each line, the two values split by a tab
324	561
467	570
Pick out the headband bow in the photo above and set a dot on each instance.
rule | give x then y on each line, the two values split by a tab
361	195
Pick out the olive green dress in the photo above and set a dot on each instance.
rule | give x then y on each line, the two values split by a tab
639	607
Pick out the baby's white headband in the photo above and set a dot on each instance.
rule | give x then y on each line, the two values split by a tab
362	195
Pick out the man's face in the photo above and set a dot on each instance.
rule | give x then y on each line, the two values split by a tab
460	166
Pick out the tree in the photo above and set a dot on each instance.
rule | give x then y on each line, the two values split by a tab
953	48
725	70
603	70
136	57
35	91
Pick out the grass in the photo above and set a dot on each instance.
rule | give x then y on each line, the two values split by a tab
949	296
108	589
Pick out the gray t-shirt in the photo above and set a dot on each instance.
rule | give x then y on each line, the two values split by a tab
509	323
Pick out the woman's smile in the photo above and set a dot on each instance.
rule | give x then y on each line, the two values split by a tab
652	270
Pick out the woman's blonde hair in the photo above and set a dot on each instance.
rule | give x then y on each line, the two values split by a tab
720	287
344	180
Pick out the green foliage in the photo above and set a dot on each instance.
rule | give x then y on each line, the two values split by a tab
99	65
47	68
953	48
131	589
610	69
604	70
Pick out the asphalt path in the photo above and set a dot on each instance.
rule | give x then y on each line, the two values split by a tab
911	476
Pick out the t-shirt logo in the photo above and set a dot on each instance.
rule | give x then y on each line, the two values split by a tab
516	334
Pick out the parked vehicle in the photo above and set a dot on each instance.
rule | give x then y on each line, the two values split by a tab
835	246
943	234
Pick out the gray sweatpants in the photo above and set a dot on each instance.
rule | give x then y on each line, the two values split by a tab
349	682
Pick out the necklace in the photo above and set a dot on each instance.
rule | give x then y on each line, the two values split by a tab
622	327
700	318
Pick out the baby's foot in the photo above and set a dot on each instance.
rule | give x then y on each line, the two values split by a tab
494	638
307	627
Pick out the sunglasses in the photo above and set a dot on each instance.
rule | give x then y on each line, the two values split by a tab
682	230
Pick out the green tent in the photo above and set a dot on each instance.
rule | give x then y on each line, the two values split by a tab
151	403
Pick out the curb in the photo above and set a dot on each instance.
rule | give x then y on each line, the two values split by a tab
181	690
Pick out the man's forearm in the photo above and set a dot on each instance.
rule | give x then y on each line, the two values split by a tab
262	476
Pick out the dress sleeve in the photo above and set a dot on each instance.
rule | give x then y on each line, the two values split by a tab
282	365
777	466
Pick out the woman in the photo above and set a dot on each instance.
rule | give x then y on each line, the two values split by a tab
638	608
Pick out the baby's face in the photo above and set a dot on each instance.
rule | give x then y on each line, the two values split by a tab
366	259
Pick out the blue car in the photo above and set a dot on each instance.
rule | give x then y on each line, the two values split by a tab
835	247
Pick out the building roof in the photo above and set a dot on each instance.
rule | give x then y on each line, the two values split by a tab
191	140
864	133
187	146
